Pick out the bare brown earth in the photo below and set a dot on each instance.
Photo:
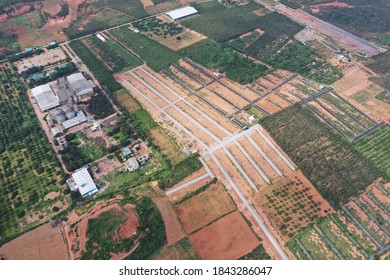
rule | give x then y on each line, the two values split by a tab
229	238
52	7
204	208
42	243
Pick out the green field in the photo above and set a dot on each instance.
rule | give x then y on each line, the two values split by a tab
155	55
28	168
181	250
258	253
376	148
114	57
336	170
101	73
216	56
220	23
31	21
300	59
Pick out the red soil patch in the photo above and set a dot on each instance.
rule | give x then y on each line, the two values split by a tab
128	228
42	243
229	238
204	208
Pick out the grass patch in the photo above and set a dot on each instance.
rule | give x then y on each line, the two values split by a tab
155	55
258	253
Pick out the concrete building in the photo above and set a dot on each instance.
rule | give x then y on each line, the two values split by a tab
79	84
45	97
182	13
132	164
82	182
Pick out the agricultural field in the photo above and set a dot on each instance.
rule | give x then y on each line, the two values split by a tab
300	59
311	144
358	231
43	243
220	23
204	208
113	56
278	31
29	169
376	148
293	204
155	55
29	22
215	56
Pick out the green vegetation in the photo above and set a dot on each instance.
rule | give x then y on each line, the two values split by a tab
158	27
221	23
300	59
8	44
215	56
51	75
28	168
100	106
384	96
152	228
103	238
157	56
240	44
258	253
114	61
99	15
290	4
179	172
380	63
31	21
337	171
376	148
279	30
256	112
102	74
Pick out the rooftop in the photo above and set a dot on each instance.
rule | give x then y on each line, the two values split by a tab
79	84
84	182
45	97
182	12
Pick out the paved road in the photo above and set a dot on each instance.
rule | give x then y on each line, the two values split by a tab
252	211
185	185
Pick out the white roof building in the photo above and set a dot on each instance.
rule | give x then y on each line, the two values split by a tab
45	97
132	164
79	84
56	130
83	182
182	13
80	118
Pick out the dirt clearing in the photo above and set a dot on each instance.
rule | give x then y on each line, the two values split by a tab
42	243
204	208
229	238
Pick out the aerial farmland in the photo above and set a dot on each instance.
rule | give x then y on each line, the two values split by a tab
235	130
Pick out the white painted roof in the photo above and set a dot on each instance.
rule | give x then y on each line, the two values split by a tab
79	84
45	97
84	182
182	12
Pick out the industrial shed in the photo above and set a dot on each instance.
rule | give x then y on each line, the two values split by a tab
83	182
182	13
45	97
79	84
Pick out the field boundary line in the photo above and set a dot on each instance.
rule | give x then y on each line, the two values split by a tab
188	184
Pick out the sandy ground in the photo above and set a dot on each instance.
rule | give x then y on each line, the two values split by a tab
51	7
229	238
48	57
42	243
204	208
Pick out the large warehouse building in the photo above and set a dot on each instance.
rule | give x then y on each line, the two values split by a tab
79	84
83	182
45	97
182	13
